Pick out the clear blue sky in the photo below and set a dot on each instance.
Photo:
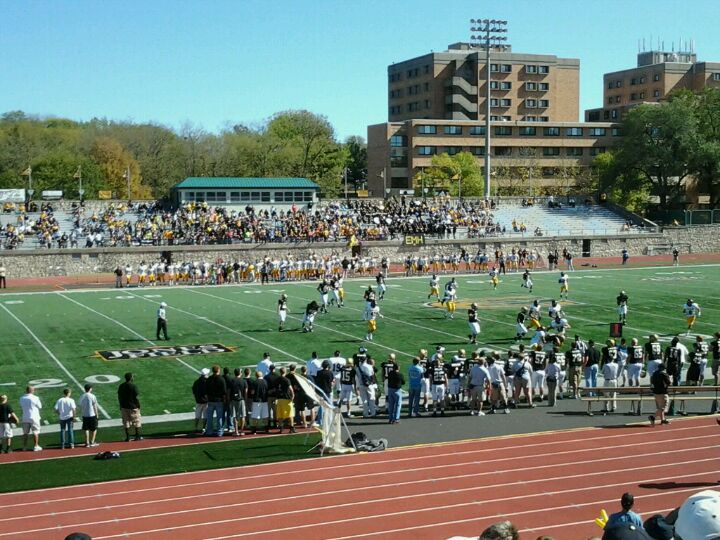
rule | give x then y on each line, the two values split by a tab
214	62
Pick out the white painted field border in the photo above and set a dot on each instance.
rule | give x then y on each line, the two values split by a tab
51	355
109	290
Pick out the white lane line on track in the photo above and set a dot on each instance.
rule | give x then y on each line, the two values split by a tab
51	355
324	466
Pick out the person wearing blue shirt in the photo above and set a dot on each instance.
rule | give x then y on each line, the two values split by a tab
626	515
415	376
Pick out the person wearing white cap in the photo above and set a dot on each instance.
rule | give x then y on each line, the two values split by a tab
162	321
699	517
201	400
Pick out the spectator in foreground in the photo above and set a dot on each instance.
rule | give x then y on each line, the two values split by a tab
626	515
7	417
128	398
65	407
503	530
31	405
89	413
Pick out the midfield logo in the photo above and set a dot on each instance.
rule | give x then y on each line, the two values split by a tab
165	352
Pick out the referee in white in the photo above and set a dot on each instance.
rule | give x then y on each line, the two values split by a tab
162	321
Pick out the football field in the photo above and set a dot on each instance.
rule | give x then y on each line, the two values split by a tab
67	338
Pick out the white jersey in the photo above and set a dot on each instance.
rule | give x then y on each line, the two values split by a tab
691	310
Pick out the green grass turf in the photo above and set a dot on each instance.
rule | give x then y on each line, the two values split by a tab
244	317
196	457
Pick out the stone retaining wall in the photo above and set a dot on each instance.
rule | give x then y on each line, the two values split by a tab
56	262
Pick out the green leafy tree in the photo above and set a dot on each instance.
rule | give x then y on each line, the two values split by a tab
356	163
460	172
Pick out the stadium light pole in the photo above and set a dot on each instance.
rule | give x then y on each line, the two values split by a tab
487	32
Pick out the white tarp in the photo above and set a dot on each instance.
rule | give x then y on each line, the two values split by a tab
12	195
331	428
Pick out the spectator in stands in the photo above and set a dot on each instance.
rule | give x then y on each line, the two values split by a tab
626	515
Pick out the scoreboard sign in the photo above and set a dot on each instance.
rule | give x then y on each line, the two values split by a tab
165	352
414	240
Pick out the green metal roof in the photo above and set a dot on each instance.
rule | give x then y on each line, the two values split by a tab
196	182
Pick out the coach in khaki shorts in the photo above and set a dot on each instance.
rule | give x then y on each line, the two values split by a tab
130	407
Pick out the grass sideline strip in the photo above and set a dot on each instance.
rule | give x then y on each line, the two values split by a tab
234	452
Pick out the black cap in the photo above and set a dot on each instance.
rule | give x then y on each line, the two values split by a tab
626	531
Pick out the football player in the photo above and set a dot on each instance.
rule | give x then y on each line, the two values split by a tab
564	285
282	310
473	323
527	281
434	287
692	312
622	302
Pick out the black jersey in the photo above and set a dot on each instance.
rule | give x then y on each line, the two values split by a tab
700	348
311	308
347	375
323	287
472	315
574	358
673	357
653	351
715	348
282	305
622	299
387	367
438	374
424	365
609	353
634	355
521	318
538	359
454	368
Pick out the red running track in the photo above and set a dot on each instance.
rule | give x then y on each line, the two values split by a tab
552	483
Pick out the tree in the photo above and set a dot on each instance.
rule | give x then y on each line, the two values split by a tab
356	163
460	171
622	186
658	146
113	161
705	161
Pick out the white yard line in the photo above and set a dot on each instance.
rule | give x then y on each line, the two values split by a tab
51	355
133	332
220	325
299	319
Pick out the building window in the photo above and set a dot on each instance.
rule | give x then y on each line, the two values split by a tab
528	131
656	77
633	81
716	76
574	151
613	114
633	96
427	150
427	130
611	99
398	141
398	157
551	151
618	99
477	130
551	131
594	151
531	69
642	80
503	131
543	86
616	132
543	103
526	151
505	118
494	85
574	132
426	87
549	171
531	118
427	69
502	150
596	132
530	86
452	130
494	102
642	95
452	150
543	70
531	103
656	93
611	85
618	84
494	118
427	103
505	102
543	118
494	67
478	150
505	85
506	68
